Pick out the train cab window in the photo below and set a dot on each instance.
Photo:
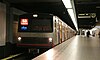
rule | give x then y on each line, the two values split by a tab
37	25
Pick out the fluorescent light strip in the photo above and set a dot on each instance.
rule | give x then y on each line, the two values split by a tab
69	6
72	15
84	16
81	14
67	3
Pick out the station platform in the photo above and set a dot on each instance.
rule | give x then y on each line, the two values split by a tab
76	48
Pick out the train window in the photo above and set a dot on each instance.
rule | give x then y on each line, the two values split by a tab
44	25
55	24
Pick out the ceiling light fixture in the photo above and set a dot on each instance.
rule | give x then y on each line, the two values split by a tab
71	13
67	3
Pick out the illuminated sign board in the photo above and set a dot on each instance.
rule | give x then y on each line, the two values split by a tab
23	28
24	22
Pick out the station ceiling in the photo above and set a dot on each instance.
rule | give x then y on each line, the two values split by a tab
90	7
56	7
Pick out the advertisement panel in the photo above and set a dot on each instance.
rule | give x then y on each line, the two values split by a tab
2	24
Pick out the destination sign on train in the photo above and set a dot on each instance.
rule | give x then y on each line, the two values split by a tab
24	21
23	28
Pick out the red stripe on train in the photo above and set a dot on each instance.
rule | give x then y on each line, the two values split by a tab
34	44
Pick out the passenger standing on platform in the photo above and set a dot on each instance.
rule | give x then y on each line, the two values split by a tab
99	34
88	33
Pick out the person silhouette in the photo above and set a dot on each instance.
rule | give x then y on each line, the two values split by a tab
99	34
88	33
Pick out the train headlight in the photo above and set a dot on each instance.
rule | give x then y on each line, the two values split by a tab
35	15
50	39
19	38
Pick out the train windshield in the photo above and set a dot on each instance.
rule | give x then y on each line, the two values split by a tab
35	25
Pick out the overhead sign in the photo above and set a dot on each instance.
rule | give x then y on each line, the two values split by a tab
87	15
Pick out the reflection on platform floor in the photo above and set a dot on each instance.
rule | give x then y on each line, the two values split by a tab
76	48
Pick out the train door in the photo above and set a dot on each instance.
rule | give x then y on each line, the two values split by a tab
58	31
60	23
63	32
66	32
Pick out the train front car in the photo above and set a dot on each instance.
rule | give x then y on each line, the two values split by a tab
36	30
42	30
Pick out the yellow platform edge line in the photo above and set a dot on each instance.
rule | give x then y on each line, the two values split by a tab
12	56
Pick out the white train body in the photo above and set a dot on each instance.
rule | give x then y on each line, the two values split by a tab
52	33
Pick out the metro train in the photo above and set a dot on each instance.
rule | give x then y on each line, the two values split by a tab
42	30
